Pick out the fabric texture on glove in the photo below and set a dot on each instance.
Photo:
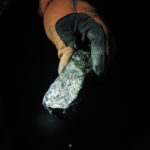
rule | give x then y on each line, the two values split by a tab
79	31
82	27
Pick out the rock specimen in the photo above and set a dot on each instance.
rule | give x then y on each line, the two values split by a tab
64	91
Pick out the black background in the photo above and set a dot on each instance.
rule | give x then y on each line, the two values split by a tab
28	65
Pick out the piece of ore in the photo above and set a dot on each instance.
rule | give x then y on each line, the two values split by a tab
63	92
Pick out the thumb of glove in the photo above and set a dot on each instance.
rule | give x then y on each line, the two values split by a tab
64	56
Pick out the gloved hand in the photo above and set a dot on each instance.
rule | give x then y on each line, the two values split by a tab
72	27
79	31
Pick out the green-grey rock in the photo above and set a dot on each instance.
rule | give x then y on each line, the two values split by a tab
64	90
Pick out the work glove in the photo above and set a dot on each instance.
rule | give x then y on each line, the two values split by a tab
79	31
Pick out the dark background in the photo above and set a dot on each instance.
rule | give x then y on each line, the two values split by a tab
28	65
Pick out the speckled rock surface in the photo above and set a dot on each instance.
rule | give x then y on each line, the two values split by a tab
64	90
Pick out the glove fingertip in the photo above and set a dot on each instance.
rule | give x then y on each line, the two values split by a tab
61	69
98	69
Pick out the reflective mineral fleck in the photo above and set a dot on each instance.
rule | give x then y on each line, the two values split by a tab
64	90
